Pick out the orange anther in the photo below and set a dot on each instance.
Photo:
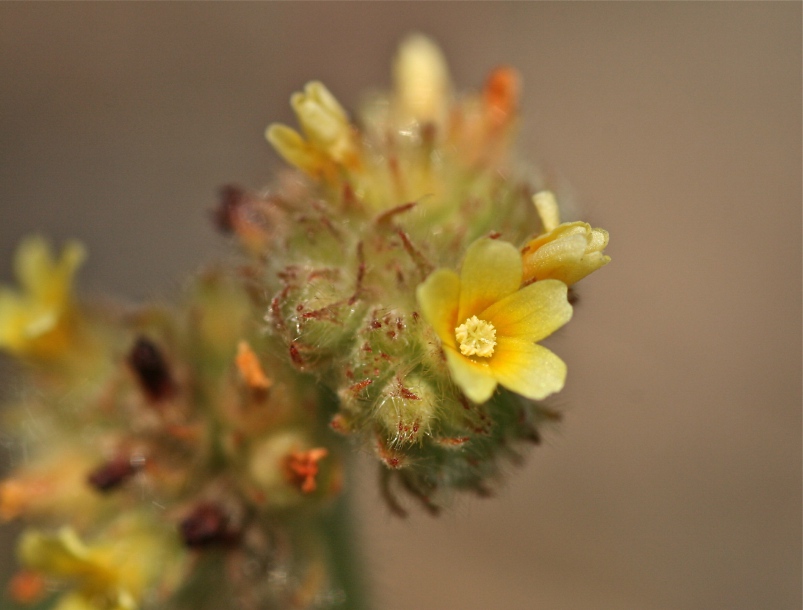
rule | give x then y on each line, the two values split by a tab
302	468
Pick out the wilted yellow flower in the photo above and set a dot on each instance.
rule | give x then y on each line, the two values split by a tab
329	134
35	321
567	252
489	326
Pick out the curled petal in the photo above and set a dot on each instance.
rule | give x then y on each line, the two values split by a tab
323	121
491	271
527	369
568	253
532	313
293	148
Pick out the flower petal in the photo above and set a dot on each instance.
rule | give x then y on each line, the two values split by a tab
292	147
33	263
476	379
438	297
527	369
532	313
491	271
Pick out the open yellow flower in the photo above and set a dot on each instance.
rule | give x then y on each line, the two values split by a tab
329	134
489	326
36	320
567	252
63	555
111	574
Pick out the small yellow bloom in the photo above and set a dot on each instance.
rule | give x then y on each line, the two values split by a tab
109	575
64	555
567	252
329	134
35	321
489	326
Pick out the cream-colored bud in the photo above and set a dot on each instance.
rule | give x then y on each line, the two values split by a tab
547	207
421	79
324	121
568	253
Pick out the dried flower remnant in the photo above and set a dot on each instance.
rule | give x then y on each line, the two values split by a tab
207	525
151	370
112	474
250	369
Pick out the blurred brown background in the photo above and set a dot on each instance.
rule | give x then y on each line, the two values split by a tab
675	482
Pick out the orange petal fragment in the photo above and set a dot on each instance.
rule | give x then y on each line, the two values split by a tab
250	368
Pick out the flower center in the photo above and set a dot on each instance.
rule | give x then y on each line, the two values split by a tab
476	337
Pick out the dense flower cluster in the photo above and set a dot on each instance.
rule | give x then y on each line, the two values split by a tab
394	285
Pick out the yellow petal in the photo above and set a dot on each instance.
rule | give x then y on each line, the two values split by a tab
421	78
323	120
532	313
78	601
599	240
316	93
59	554
556	259
475	378
13	319
33	263
44	279
292	147
491	271
527	369
438	298
547	207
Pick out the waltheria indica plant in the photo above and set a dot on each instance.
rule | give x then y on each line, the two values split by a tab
392	290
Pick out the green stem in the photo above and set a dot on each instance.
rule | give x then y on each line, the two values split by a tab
345	563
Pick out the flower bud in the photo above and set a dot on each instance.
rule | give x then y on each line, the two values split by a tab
568	253
422	79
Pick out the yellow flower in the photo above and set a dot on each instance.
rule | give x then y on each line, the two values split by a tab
567	252
329	134
64	555
36	320
489	326
108	575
